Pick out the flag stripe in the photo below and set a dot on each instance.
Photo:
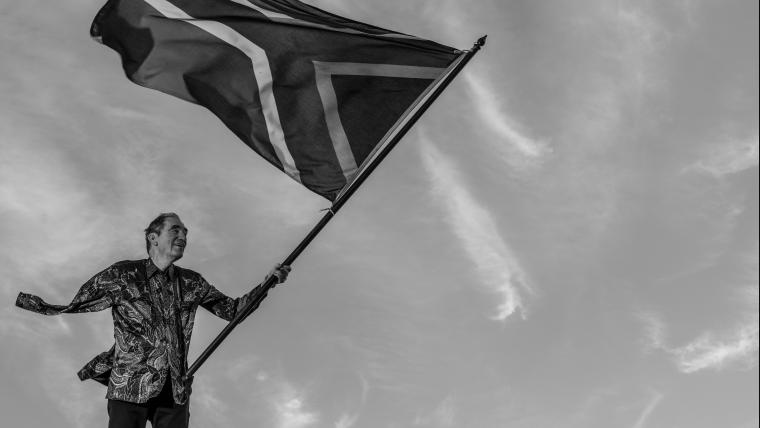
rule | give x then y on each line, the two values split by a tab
385	70
324	72
262	73
390	134
268	13
286	19
334	125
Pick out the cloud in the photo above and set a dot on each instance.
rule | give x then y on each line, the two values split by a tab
285	400
74	404
709	350
346	421
496	267
654	331
206	397
37	194
617	64
651	405
290	409
740	346
444	415
30	327
78	201
728	157
518	149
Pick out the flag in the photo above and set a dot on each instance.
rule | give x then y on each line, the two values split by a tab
311	92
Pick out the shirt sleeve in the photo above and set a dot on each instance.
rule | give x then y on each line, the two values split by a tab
223	306
96	294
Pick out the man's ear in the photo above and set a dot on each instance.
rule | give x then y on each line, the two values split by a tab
153	238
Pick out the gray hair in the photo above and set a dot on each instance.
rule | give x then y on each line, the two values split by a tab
155	227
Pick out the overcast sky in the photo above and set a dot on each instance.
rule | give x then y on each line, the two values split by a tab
568	238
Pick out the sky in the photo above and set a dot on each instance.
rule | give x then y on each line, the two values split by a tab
567	238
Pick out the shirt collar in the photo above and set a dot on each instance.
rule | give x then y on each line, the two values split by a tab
152	269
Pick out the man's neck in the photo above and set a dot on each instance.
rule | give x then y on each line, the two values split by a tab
161	262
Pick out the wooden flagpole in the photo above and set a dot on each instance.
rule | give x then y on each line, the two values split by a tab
362	175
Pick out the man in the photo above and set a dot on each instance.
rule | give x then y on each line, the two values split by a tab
153	304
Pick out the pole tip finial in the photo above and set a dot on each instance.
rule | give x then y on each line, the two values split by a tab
481	41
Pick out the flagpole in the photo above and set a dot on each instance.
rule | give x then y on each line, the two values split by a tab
340	200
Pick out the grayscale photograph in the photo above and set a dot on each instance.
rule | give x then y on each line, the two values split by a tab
379	214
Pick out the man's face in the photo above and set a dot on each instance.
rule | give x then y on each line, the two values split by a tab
172	239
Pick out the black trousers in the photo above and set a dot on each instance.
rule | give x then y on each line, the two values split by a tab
161	411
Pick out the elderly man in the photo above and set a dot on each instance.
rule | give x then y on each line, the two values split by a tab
153	304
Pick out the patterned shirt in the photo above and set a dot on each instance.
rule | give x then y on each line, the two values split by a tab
149	345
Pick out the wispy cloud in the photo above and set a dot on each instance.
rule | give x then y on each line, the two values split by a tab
346	421
74	404
651	405
654	331
286	401
511	140
740	346
496	266
29	327
709	350
82	204
349	418
206	398
290	409
444	415
728	157
36	193
589	406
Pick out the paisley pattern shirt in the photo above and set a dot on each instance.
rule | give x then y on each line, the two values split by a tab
147	305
